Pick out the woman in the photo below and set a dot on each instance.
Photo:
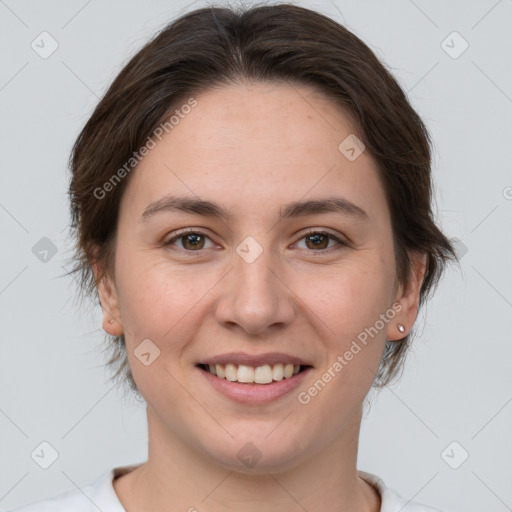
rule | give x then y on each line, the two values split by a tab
251	201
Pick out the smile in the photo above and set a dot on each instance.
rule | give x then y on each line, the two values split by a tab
245	374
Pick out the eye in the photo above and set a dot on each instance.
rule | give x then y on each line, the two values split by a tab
194	241
319	240
190	240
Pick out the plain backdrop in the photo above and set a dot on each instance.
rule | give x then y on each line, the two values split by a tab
440	436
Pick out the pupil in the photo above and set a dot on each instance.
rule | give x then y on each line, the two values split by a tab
194	238
317	239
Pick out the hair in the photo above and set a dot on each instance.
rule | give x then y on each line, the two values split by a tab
220	46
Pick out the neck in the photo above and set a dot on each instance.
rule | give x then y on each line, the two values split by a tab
178	474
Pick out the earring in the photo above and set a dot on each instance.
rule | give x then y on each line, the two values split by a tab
111	321
401	328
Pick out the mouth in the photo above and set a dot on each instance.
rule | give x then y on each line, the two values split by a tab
256	375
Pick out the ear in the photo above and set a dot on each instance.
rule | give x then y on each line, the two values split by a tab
109	301
408	298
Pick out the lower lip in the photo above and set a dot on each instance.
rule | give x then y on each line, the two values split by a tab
255	393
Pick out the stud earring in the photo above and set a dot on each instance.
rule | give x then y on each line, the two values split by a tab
111	321
401	328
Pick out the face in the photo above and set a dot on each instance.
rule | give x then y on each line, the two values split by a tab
288	267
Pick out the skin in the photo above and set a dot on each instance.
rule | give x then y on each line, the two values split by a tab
253	148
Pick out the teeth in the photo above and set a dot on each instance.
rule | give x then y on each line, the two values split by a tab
259	375
231	372
262	374
220	370
245	373
277	372
288	371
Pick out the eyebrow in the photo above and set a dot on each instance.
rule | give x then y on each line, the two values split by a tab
296	209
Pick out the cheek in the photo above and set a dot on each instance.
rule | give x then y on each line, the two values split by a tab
348	307
157	303
349	298
158	298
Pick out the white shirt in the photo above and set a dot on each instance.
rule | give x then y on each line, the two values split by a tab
100	495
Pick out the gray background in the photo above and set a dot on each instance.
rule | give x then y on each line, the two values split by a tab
457	385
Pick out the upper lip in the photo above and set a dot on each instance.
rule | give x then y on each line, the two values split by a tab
255	359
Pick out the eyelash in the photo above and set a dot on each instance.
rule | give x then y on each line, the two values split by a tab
312	231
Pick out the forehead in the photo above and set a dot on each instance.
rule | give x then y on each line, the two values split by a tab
257	144
282	117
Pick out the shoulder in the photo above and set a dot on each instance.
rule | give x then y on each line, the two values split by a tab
64	502
99	495
391	501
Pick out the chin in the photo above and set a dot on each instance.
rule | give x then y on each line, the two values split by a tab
259	453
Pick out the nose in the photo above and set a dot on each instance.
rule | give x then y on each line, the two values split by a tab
255	296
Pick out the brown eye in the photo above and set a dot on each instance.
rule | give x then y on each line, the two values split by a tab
191	241
318	241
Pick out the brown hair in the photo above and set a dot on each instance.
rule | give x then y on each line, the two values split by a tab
214	46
